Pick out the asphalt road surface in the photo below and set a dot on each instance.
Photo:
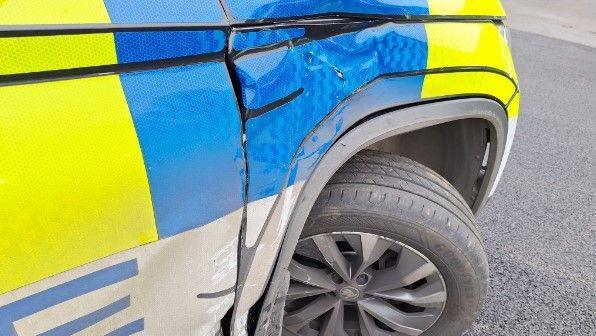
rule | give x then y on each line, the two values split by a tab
540	226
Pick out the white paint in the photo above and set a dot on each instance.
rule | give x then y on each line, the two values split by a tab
256	216
510	135
172	272
265	255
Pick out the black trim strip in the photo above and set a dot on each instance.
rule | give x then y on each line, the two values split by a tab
452	70
313	32
243	222
253	113
231	66
427	72
512	97
77	29
217	294
395	18
45	76
68	29
321	29
326	19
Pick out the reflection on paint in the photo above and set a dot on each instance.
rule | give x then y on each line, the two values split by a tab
271	9
328	70
188	126
244	10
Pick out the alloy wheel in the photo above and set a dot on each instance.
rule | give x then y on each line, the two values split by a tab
350	283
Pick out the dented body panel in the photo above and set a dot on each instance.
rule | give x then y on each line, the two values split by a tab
151	156
258	10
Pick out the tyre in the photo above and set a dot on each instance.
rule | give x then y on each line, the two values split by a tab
389	248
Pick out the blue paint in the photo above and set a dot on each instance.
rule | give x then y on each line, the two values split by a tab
255	73
83	322
189	129
271	9
379	95
69	290
159	45
261	38
329	70
164	11
129	329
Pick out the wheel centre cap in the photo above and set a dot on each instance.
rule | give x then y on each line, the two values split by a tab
349	293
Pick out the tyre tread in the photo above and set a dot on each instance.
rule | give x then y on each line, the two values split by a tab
380	184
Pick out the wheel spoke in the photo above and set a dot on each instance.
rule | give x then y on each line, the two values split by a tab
396	290
334	324
428	295
366	323
372	248
368	326
295	320
305	331
407	323
307	248
300	290
310	275
328	248
409	269
354	240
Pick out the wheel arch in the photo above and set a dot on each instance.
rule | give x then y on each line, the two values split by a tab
459	150
365	133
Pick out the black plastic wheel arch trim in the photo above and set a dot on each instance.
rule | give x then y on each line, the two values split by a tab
383	125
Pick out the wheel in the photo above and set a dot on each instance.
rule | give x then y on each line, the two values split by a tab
389	248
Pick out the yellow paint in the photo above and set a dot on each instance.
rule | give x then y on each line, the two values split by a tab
16	12
73	186
466	7
513	108
43	53
456	83
465	45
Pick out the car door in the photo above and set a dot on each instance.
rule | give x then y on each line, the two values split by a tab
121	168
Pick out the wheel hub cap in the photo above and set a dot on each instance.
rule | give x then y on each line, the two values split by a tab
349	283
349	293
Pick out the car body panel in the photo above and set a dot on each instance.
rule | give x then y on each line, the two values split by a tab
82	51
167	286
466	8
113	155
48	162
137	120
42	12
247	10
189	130
293	90
310	89
22	54
326	71
35	12
178	11
317	75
